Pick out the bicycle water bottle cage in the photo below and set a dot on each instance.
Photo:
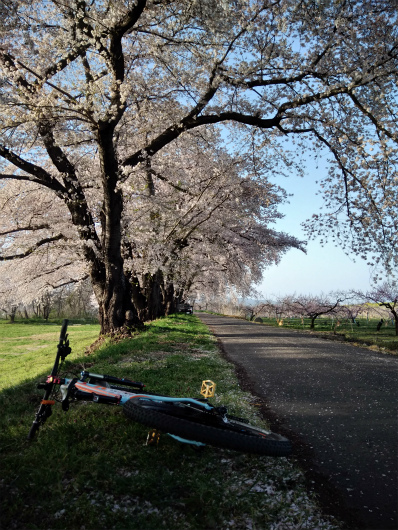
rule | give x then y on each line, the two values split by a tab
208	388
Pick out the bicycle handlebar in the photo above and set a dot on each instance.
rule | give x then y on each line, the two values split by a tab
62	335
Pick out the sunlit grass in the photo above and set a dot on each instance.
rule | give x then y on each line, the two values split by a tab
362	330
26	350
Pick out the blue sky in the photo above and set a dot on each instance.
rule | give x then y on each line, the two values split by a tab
322	269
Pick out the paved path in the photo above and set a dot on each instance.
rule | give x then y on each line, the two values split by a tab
339	400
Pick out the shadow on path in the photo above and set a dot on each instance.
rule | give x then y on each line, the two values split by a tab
339	405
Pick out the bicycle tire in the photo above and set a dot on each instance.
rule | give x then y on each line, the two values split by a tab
248	440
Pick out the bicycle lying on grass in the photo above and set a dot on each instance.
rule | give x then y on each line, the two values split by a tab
188	420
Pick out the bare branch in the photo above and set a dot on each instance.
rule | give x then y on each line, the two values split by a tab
33	248
40	175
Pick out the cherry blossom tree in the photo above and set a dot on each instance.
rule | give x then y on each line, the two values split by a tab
351	312
384	295
92	92
361	191
257	308
204	223
40	249
8	306
187	230
314	306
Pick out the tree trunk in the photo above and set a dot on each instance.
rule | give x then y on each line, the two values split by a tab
153	294
116	311
12	314
111	286
148	297
396	322
113	291
138	298
168	298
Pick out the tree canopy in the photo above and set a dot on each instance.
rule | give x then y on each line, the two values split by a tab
96	95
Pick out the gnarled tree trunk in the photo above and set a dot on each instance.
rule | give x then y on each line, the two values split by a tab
111	286
148	297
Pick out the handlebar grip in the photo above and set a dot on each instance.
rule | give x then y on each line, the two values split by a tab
64	328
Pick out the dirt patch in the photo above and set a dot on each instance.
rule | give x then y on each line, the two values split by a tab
41	336
27	348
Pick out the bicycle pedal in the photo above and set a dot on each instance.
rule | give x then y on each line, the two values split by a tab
153	437
208	388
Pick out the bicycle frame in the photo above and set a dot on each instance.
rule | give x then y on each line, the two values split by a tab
108	395
123	396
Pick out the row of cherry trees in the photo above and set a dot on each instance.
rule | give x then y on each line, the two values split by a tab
210	230
72	301
339	305
137	138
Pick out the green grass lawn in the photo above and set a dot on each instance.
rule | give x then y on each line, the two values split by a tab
365	332
28	349
91	468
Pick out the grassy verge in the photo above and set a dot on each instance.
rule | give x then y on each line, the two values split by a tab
90	468
363	331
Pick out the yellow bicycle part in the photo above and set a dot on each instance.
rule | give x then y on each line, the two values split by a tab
153	437
208	388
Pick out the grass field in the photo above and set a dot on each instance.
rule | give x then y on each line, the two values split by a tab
27	349
90	468
362	331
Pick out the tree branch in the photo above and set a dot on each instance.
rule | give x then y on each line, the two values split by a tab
33	248
191	122
346	172
30	88
25	229
175	186
373	119
67	282
38	174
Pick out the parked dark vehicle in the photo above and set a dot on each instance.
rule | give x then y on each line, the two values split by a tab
185	308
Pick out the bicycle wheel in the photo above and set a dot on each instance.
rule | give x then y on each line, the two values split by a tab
208	429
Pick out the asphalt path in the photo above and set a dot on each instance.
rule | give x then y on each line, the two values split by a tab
338	403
